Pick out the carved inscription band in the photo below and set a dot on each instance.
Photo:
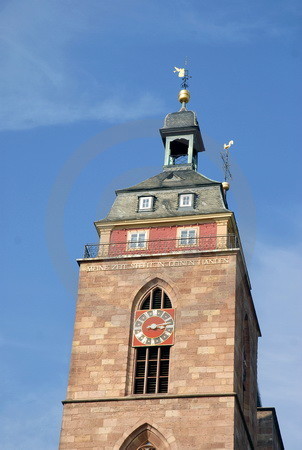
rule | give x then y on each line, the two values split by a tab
147	265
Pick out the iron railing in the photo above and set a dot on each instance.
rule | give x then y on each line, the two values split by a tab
151	247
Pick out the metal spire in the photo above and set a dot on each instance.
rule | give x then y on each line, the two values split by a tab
184	74
184	94
226	163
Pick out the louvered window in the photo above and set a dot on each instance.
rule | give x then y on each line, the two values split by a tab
151	370
156	299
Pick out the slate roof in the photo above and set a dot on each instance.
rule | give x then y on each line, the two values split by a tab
166	188
181	119
183	122
170	179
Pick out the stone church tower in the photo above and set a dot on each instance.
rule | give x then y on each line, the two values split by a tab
164	352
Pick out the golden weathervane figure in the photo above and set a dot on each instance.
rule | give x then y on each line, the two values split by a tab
181	72
184	94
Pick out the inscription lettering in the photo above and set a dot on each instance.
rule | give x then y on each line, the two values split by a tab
147	265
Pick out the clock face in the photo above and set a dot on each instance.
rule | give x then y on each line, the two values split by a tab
153	327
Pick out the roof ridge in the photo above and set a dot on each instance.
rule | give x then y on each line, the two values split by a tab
185	178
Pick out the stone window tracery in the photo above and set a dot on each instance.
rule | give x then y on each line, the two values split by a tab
151	368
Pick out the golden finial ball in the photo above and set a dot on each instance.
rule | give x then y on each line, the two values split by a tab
184	96
225	186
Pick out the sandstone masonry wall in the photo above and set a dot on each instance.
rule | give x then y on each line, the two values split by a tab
202	290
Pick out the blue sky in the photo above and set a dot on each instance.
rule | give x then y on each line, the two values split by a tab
84	88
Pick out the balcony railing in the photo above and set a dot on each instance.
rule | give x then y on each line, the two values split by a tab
153	247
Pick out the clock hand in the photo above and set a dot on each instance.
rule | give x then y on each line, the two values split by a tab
153	326
165	324
161	326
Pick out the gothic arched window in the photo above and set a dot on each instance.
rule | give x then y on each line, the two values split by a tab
155	299
147	446
145	437
153	336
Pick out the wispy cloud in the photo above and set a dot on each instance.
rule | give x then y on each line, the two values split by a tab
46	78
39	111
42	84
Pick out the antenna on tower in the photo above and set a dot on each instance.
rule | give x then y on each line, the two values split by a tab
226	164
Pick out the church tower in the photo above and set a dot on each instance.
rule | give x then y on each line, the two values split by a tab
164	352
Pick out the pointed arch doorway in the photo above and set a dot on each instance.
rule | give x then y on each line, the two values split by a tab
145	437
147	446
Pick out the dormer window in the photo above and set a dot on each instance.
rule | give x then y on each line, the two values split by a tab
146	203
186	200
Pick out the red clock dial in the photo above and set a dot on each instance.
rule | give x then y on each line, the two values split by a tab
153	327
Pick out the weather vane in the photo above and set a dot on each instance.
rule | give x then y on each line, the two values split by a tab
225	159
184	74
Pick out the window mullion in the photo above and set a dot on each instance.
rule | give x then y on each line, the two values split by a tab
151	299
157	370
135	369
162	299
146	370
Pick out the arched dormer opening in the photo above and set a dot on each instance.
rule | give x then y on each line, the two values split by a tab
180	151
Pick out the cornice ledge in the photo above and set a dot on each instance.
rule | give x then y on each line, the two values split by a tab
197	253
148	397
163	220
